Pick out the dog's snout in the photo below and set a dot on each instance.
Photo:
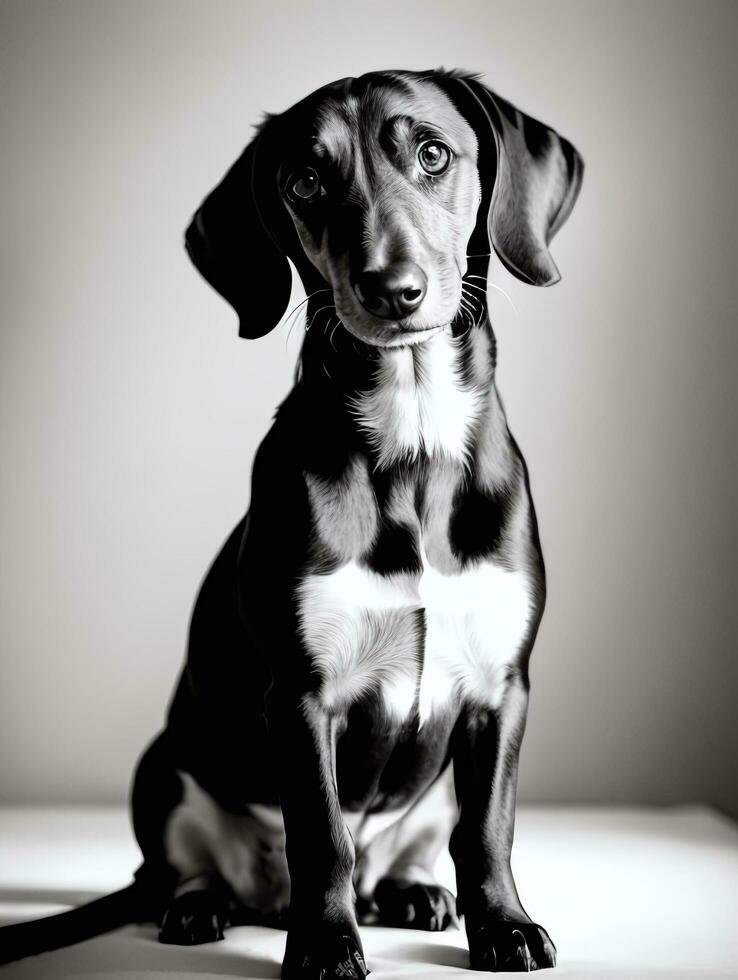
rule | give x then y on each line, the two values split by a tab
392	293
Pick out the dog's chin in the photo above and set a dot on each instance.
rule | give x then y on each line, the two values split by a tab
391	336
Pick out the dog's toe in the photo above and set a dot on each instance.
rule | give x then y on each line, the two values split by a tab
512	947
193	918
326	957
415	906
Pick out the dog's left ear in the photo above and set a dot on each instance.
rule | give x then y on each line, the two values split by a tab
535	177
233	243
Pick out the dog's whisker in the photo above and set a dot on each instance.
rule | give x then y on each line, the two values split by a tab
463	315
501	290
490	285
292	315
307	299
480	289
333	332
467	294
472	302
466	307
295	318
299	305
289	331
467	317
328	306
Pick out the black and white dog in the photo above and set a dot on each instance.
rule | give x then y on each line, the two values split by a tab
370	620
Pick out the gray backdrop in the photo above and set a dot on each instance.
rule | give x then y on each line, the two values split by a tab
131	411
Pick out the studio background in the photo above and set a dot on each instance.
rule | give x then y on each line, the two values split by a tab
131	411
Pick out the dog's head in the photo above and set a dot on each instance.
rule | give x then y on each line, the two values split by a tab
378	188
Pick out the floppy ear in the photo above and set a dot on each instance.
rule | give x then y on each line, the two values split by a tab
537	175
232	245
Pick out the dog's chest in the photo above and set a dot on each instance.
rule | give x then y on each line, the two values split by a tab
416	641
416	590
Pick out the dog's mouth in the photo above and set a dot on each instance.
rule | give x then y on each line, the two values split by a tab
409	335
384	333
408	326
398	334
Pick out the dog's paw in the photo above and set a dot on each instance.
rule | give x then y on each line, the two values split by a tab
414	906
514	947
326	957
193	918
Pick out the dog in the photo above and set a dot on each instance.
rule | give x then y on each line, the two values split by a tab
356	684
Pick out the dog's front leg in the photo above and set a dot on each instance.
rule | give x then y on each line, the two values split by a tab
323	939
501	934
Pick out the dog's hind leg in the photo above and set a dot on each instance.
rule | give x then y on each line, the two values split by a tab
397	869
156	792
198	910
187	898
232	867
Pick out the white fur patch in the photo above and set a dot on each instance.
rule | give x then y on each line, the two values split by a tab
361	631
247	851
360	628
419	403
475	624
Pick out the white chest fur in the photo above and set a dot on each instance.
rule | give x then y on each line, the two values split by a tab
432	636
418	402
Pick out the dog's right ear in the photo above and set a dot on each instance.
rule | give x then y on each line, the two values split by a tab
233	245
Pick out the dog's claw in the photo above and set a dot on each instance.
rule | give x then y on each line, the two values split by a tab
415	906
194	918
515	947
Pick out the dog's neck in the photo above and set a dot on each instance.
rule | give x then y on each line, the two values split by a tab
428	399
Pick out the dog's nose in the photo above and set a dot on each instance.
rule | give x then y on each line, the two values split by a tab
392	293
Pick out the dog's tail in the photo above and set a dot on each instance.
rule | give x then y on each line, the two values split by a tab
67	928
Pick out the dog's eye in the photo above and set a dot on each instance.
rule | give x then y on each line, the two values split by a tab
434	157
305	185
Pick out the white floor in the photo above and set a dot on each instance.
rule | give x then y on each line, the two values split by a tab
623	892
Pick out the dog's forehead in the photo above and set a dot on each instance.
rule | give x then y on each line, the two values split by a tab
342	118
